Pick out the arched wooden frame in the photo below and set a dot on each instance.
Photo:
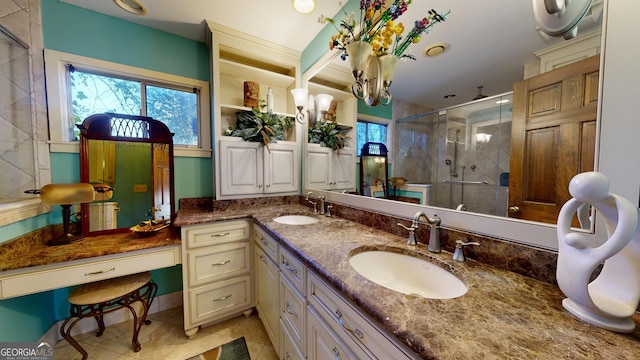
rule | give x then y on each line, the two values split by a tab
122	128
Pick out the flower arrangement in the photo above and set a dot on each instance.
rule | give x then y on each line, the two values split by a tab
328	134
258	126
377	25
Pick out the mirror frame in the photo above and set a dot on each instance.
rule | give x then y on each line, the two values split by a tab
525	232
99	127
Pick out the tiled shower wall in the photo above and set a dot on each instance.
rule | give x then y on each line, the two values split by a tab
24	152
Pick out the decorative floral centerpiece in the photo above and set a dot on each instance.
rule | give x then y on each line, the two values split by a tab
258	126
328	134
377	26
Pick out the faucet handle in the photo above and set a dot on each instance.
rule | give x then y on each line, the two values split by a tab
412	234
458	254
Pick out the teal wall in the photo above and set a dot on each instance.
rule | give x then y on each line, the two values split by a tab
78	31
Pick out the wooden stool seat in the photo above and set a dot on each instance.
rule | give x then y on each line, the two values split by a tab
98	298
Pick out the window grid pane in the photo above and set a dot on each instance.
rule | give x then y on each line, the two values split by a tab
177	109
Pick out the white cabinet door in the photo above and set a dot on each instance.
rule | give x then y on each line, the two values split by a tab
318	164
281	168
267	280
327	169
344	169
240	167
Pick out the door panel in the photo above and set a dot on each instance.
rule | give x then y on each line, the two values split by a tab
552	139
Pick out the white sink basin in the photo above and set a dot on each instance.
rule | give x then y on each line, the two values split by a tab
408	274
296	219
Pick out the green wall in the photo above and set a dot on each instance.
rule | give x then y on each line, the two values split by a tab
78	31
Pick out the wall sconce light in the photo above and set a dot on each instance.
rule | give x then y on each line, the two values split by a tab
304	6
300	100
324	102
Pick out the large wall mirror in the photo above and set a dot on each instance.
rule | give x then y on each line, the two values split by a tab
458	159
129	161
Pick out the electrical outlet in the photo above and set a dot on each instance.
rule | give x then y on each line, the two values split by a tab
140	188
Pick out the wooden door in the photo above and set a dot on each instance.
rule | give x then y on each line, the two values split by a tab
552	138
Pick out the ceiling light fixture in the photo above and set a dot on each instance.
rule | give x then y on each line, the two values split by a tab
435	49
480	94
132	6
304	6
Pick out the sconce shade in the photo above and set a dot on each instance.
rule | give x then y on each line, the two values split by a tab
300	97
59	194
324	101
304	6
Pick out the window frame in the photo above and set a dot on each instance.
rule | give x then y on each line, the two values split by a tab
381	121
59	107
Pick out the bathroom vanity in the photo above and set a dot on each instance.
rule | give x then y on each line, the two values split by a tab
503	314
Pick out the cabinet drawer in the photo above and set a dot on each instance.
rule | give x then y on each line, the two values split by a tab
323	343
219	299
292	312
218	262
287	349
95	270
216	233
266	242
354	328
293	269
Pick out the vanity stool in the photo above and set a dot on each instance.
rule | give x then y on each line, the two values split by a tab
102	297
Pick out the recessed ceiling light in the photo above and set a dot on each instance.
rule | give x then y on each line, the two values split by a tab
304	6
132	6
449	96
435	49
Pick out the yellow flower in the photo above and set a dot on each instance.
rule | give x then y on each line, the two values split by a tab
399	29
415	40
369	13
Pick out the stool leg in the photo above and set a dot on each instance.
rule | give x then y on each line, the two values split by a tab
101	327
66	334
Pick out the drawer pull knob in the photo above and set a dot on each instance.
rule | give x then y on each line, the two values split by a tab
222	298
99	272
262	240
221	234
336	353
288	308
355	332
286	356
221	263
289	267
263	259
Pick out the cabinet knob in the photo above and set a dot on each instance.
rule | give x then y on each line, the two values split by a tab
514	209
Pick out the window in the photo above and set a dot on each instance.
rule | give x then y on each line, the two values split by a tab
96	93
370	132
80	86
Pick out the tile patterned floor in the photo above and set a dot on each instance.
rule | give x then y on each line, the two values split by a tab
164	339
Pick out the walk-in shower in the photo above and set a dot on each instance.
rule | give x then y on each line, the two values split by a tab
466	150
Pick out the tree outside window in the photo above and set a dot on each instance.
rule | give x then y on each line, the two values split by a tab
370	132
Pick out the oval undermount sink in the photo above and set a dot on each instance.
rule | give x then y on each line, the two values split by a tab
408	274
296	219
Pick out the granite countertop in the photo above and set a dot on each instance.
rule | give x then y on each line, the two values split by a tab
503	314
31	250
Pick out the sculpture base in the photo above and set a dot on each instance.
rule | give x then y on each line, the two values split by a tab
621	325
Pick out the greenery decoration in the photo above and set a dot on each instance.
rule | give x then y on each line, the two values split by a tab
265	127
328	134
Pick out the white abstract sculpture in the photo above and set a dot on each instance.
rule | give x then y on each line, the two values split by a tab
612	297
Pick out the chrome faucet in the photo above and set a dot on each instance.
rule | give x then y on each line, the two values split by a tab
320	198
434	234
